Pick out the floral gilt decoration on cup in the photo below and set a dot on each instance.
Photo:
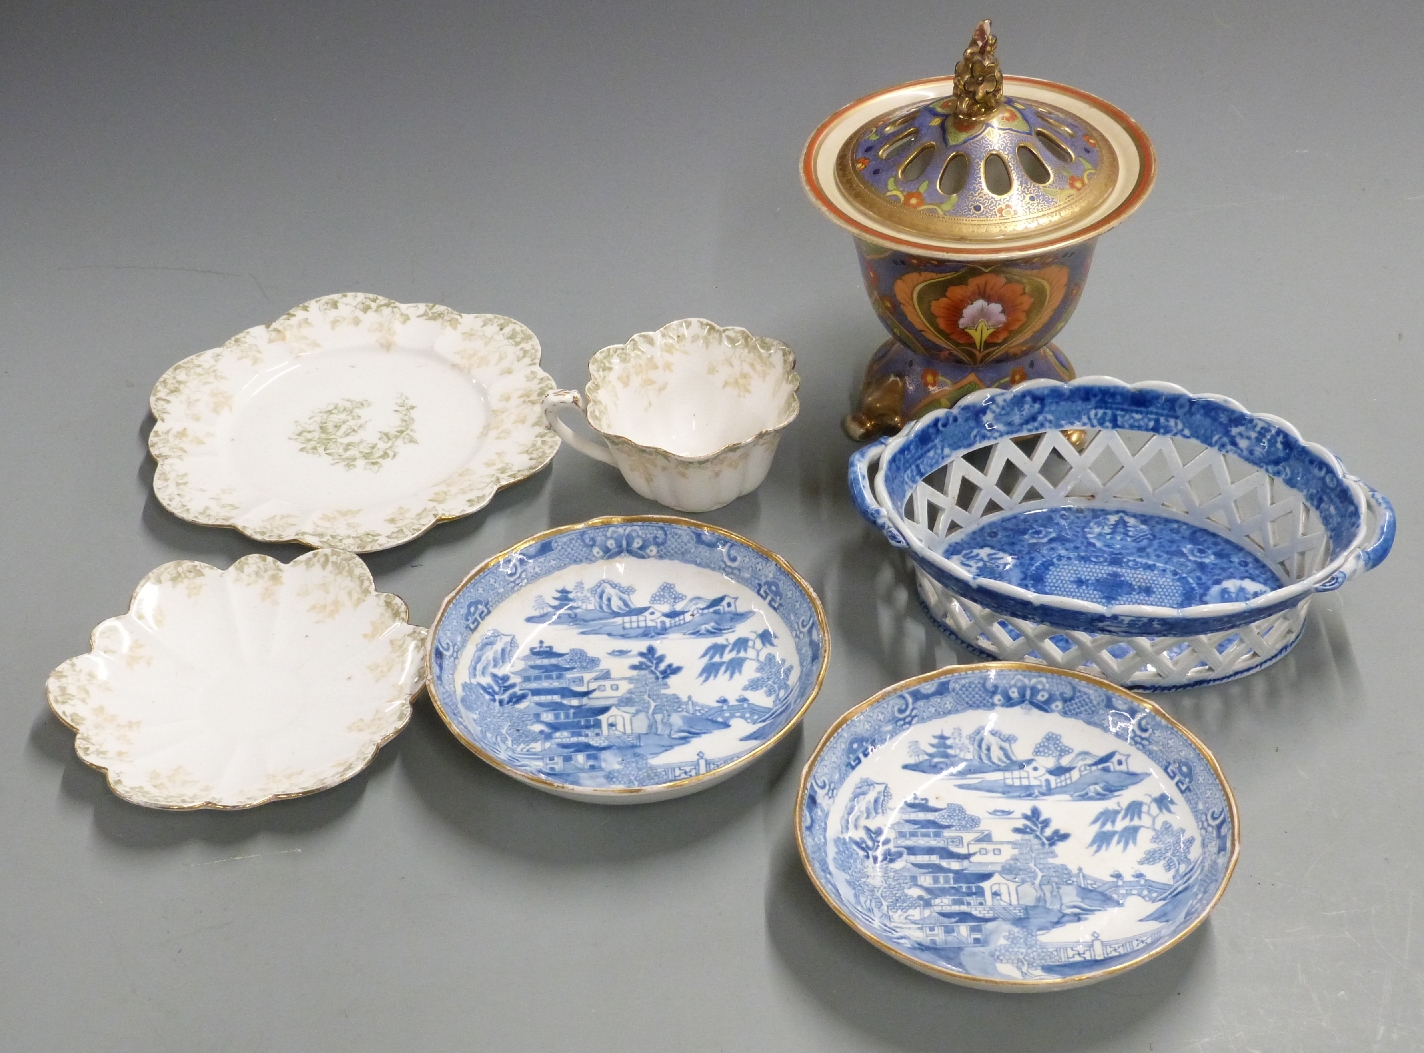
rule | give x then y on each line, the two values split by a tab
691	414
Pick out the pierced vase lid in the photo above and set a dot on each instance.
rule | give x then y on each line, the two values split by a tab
955	167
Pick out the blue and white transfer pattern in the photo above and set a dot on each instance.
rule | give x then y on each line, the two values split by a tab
995	824
1260	441
626	655
1110	557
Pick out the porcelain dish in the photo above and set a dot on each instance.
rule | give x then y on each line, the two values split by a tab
229	689
352	421
1014	828
1157	538
691	414
626	660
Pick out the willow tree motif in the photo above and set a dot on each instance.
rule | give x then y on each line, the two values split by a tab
501	689
1135	816
730	659
772	673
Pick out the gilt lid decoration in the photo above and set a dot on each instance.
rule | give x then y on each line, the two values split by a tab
979	163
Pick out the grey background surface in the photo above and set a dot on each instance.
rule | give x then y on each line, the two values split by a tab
172	173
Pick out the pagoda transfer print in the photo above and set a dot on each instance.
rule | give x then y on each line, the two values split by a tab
601	682
1022	836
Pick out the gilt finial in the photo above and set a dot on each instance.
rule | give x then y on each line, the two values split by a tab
978	84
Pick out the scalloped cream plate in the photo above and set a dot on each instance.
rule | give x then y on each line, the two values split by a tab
352	422
229	689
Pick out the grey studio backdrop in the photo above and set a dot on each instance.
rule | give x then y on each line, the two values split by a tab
173	173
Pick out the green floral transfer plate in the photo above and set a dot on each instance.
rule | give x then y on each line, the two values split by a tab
351	422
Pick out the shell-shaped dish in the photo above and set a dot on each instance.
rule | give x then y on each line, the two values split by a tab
1013	828
627	660
229	689
352	421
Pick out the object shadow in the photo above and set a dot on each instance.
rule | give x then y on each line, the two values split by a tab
877	613
133	826
1318	682
864	987
486	806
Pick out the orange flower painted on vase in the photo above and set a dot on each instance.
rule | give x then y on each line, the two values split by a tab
976	316
1076	183
985	310
930	377
1017	375
914	199
861	162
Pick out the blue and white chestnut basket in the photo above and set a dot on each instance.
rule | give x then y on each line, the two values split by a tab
1153	537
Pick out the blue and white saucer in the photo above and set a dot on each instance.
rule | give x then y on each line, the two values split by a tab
1012	828
629	659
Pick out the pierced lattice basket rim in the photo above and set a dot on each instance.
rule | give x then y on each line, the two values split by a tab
1246	608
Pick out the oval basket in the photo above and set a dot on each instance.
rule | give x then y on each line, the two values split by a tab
1153	537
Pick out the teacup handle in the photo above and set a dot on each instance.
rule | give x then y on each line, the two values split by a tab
556	401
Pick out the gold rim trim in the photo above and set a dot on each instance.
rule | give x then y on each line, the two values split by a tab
627	792
992	983
211	806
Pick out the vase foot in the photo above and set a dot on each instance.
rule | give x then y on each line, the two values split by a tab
901	385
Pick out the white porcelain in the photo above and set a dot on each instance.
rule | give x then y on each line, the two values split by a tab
690	415
352	422
228	689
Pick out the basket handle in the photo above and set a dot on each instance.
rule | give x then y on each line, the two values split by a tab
860	465
1373	554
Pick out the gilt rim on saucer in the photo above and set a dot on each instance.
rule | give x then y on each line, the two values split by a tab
629	794
1009	984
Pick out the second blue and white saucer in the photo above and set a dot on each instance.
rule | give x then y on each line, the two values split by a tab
1013	828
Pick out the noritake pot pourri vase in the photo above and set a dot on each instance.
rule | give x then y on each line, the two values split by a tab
975	214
